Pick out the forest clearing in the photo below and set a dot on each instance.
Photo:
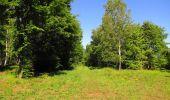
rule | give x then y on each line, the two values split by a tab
113	50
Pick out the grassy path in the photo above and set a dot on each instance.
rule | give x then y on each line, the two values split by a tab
85	84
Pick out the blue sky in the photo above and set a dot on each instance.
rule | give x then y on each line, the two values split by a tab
90	14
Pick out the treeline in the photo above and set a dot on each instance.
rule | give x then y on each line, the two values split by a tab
120	43
43	36
39	35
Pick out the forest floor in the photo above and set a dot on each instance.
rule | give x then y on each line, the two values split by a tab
83	83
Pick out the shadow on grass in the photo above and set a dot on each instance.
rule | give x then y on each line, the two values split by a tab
60	71
57	71
93	68
168	71
41	74
108	66
29	73
165	70
167	76
7	68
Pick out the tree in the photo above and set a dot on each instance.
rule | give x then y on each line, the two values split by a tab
41	34
156	47
118	41
108	40
168	57
2	35
49	35
135	43
7	30
115	22
62	36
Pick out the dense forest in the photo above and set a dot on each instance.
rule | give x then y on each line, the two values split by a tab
44	36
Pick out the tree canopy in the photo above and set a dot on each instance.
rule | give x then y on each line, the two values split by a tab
119	41
46	35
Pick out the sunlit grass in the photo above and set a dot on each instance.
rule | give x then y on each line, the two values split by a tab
83	83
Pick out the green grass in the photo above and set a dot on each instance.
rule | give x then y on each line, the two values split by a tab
85	84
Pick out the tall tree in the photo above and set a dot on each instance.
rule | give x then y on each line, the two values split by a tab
115	22
7	29
49	35
2	35
168	57
156	47
135	44
109	39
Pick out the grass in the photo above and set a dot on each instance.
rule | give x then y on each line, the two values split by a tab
85	84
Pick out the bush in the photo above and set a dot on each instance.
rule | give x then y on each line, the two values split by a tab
27	72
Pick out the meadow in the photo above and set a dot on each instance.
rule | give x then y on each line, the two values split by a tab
83	83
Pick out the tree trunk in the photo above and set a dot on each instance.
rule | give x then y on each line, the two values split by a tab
141	67
6	54
20	70
120	58
6	50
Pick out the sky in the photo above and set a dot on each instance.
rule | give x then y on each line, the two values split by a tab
90	12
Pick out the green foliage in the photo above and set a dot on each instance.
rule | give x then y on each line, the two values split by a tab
42	33
135	54
27	72
7	31
155	45
168	57
44	36
108	41
118	41
115	23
